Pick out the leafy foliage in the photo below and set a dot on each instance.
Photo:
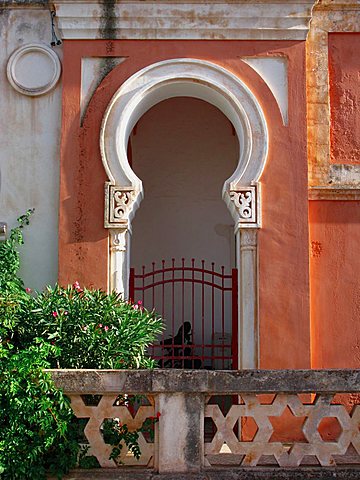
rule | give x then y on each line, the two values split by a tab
12	292
9	256
118	434
70	327
92	329
35	417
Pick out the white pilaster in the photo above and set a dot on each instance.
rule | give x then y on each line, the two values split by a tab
119	261
248	297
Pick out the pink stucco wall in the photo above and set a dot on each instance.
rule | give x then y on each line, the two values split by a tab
335	284
344	97
283	240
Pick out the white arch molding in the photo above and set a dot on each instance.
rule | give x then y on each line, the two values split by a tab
241	192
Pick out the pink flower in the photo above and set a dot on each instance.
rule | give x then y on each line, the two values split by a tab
55	314
28	290
106	328
139	302
66	312
77	287
100	325
84	328
136	307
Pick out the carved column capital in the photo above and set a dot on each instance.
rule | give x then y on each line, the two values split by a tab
118	203
248	239
118	240
245	200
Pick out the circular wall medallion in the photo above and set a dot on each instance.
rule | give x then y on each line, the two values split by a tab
33	69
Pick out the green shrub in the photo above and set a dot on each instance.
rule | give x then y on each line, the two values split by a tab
91	328
35	417
70	327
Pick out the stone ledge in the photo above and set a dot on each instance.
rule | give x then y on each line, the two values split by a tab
24	3
188	19
206	381
259	473
339	193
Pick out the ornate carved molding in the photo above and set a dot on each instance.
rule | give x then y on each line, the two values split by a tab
189	19
118	203
246	205
118	241
248	239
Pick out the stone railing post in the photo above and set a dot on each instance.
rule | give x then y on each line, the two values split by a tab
180	433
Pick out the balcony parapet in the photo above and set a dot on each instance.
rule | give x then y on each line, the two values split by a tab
281	421
207	381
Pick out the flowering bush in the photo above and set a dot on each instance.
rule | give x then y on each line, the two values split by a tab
91	328
36	431
70	327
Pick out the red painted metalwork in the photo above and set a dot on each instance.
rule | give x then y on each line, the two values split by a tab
200	310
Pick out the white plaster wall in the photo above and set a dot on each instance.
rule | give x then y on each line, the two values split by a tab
29	151
183	150
274	70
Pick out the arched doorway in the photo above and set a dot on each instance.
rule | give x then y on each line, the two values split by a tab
241	191
183	149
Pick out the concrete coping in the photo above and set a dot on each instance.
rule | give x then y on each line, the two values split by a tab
206	381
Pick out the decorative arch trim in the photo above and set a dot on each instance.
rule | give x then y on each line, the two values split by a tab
193	78
241	192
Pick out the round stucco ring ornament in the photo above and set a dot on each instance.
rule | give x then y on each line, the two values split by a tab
33	69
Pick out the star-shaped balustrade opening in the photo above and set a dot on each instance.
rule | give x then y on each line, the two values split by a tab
287	428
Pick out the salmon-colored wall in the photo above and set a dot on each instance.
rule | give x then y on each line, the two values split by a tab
335	284
344	82
283	240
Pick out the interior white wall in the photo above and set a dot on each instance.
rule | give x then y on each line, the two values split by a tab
183	149
29	151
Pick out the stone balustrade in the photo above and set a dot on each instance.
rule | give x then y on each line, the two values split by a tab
237	420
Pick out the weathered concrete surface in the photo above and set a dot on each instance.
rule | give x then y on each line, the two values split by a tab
207	382
200	19
29	147
181	421
330	20
260	473
344	98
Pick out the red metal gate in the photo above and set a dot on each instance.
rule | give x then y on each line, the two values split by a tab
200	310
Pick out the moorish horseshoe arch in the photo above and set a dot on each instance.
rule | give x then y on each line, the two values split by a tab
241	192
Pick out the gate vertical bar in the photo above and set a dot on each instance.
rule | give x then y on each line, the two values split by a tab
132	285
